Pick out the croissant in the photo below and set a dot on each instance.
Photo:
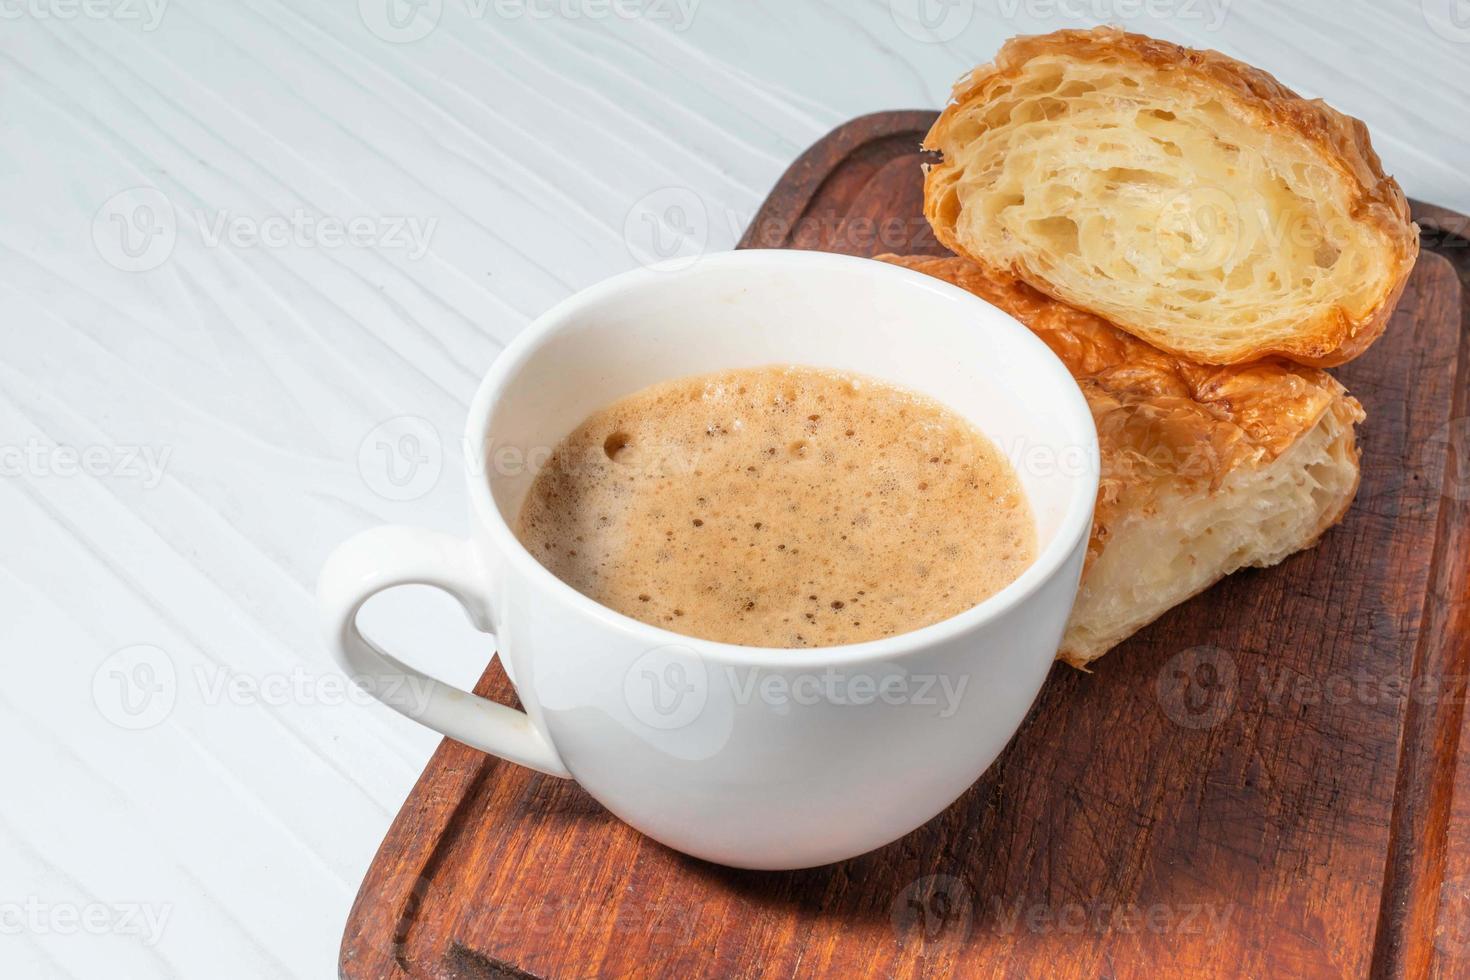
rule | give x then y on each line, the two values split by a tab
1188	198
1205	470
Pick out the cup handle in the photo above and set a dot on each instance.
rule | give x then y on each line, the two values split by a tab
384	557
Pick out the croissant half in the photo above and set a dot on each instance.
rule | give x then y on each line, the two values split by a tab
1205	470
1188	198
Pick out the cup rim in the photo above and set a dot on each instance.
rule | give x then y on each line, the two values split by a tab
1074	527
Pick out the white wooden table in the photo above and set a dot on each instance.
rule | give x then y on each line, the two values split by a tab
254	258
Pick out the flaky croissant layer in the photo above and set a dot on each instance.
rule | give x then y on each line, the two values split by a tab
1189	198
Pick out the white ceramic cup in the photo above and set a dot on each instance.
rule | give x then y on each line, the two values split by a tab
751	757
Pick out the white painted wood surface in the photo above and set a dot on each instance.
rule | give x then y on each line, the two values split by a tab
189	415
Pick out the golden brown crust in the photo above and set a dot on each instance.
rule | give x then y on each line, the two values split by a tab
1342	143
1165	425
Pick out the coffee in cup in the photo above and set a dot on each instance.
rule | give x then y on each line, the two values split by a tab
780	506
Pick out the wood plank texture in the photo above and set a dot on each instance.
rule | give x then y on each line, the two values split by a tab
1262	783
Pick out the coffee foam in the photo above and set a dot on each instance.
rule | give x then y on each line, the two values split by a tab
780	507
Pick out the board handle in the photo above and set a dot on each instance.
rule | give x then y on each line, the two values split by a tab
382	558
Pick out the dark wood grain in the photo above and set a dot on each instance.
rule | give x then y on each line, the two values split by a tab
1266	782
1426	911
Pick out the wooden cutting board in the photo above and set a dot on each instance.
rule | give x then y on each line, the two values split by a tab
1267	782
